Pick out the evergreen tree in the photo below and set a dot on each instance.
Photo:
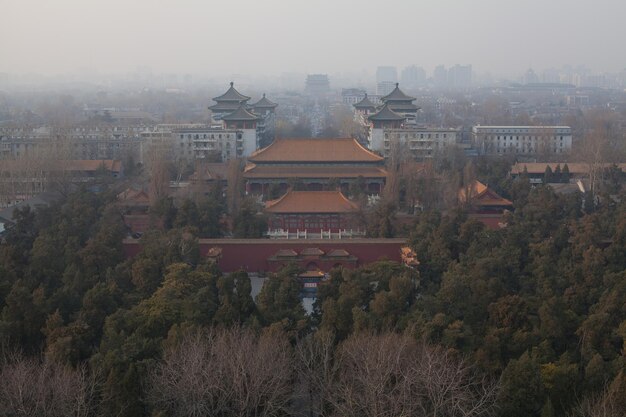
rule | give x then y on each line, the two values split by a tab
565	175
547	175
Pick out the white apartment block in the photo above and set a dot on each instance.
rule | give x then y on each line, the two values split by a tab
199	141
522	140
421	142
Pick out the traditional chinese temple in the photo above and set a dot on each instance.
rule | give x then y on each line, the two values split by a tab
485	204
386	118
402	104
315	163
365	106
134	206
312	214
228	102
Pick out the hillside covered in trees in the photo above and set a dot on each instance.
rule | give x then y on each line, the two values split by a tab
528	320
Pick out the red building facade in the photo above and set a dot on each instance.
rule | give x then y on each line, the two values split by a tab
312	212
270	255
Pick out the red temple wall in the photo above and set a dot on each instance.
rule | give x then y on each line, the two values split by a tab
252	254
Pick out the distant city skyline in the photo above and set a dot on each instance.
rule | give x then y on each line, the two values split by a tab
272	37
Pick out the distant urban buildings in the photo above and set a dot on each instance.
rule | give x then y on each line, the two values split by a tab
413	77
457	77
352	95
317	84
386	79
237	130
392	126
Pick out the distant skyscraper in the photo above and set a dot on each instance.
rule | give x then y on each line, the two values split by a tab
440	76
413	76
386	79
460	76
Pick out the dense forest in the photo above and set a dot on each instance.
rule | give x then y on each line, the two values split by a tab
528	320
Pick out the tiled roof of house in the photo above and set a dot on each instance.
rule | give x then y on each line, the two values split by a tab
338	253
481	195
321	172
311	252
286	253
575	168
232	95
240	114
311	202
264	103
315	150
386	114
397	95
365	103
133	196
210	171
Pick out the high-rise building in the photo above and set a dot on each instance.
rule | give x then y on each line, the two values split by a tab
460	76
413	76
386	79
440	76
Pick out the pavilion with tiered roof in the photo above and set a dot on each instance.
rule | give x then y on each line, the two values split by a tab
228	102
315	163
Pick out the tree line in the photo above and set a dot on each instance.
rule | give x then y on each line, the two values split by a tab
528	320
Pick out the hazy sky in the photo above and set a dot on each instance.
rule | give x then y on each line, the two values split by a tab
274	36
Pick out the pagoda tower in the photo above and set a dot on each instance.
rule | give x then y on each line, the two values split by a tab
381	122
365	107
228	102
245	123
402	104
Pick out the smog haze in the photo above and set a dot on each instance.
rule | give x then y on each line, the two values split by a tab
276	36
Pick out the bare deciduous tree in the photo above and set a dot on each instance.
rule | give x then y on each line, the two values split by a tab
390	375
610	402
228	372
29	388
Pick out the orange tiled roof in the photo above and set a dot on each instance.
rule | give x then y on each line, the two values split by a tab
311	202
482	195
312	252
575	168
286	253
338	253
312	274
315	150
274	171
131	195
210	171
